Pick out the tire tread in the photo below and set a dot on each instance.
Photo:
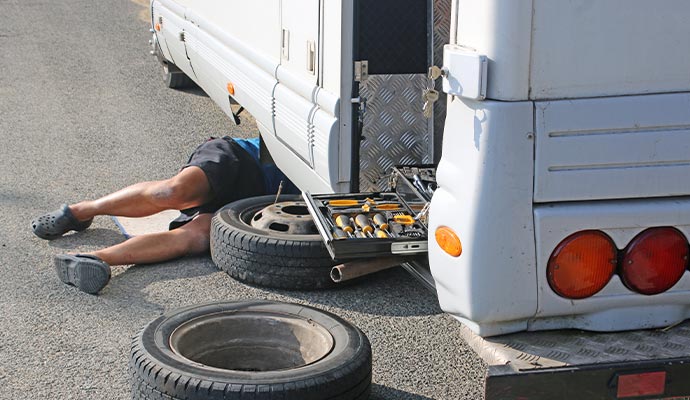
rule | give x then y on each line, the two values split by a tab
262	260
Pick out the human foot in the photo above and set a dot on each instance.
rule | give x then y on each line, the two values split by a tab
87	272
57	223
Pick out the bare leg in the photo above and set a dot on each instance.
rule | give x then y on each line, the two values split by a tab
189	188
192	238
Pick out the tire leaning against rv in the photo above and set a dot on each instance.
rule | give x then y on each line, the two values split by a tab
250	350
269	258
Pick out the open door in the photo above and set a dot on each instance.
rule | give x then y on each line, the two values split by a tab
348	103
392	54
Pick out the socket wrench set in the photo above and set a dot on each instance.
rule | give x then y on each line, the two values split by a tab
360	225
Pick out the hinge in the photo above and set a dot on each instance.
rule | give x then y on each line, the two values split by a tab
362	107
181	36
361	70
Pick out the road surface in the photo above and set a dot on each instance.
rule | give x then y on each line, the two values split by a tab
83	111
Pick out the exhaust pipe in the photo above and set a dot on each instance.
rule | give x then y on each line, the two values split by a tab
355	269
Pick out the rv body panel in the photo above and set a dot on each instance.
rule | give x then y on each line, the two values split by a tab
614	48
267	56
485	195
615	307
612	148
169	18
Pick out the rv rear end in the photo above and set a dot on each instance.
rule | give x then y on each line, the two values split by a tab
568	184
562	151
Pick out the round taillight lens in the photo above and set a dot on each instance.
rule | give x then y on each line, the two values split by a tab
582	264
654	260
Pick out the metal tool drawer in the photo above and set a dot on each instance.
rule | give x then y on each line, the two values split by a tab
372	224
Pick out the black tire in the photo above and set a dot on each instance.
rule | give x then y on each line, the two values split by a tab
174	77
168	356
267	258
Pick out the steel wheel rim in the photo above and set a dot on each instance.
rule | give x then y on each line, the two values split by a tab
288	217
251	341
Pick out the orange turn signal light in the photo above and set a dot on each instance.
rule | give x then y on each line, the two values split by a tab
448	240
231	88
158	27
582	264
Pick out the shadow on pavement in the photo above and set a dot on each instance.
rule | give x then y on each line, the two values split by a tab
380	392
129	285
391	292
142	275
92	236
193	89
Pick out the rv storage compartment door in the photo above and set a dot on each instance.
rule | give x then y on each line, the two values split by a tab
297	76
306	106
392	40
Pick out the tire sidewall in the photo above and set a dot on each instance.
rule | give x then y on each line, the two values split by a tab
348	342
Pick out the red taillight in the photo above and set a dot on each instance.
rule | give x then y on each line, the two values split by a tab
655	260
582	264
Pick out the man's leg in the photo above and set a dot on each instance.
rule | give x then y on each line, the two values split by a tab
189	188
191	238
90	272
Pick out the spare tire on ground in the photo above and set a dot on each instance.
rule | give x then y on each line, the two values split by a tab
270	243
255	350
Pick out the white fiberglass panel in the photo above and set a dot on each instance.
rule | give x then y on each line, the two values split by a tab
553	49
330	45
485	196
616	147
172	23
300	37
291	118
294	167
255	23
325	146
499	29
585	48
217	63
615	307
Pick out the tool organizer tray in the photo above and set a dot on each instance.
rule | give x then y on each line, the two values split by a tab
365	225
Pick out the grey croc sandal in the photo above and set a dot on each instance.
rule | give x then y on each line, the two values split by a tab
57	223
88	273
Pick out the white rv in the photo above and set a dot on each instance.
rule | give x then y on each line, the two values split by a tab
561	134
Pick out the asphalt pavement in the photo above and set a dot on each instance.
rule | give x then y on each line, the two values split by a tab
83	112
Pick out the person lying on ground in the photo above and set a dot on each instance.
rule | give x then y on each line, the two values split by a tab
218	172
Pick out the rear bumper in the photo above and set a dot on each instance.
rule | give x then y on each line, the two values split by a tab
597	381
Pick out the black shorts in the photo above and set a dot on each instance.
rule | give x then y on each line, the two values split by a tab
232	174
